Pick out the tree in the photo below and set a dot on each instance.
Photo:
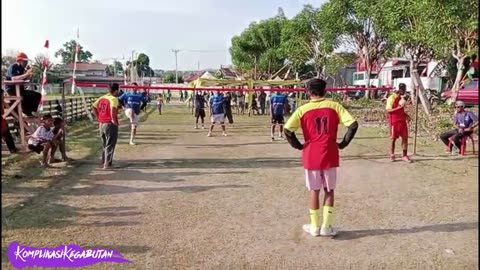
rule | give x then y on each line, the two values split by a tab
54	72
257	50
458	21
114	68
142	65
169	77
336	62
67	53
302	41
414	27
357	24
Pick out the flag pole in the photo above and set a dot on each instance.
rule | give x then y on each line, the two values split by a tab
77	48
44	76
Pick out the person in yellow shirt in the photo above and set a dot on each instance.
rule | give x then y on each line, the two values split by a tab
160	103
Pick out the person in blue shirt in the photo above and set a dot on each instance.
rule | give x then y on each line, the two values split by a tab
133	102
277	110
217	112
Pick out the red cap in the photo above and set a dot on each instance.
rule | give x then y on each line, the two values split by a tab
21	56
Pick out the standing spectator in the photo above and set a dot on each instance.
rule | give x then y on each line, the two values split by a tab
106	110
217	113
397	120
200	102
464	122
160	103
262	99
181	96
227	107
169	96
20	71
41	140
241	103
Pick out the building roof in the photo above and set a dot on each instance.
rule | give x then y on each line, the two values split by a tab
193	76
96	79
88	66
228	72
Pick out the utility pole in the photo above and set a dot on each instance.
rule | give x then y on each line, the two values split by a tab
132	68
175	51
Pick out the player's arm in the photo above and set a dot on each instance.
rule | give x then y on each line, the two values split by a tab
352	126
292	125
95	108
390	108
114	111
475	122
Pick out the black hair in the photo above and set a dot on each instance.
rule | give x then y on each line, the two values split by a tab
402	86
114	87
57	121
317	87
134	83
46	117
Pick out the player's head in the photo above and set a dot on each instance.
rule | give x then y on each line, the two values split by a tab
402	88
114	87
219	92
317	87
134	90
47	120
459	106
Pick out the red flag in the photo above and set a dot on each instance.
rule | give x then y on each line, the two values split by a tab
46	44
45	62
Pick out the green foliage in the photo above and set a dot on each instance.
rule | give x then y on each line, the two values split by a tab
67	53
116	66
169	77
258	47
54	72
302	41
142	64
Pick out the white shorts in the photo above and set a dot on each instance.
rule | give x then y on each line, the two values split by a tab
318	179
218	118
132	117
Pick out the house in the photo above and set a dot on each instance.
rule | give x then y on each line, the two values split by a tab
201	74
229	73
89	69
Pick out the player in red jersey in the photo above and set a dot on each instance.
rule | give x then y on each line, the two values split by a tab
319	120
397	121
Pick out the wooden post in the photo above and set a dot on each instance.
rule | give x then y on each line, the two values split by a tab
416	119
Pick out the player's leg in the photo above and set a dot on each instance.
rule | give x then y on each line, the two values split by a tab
456	140
133	129
197	116
202	117
393	139
404	134
280	124
314	185
222	124
329	178
46	149
213	120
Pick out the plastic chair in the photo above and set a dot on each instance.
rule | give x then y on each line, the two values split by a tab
463	143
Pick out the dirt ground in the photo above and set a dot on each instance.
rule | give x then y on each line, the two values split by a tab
181	200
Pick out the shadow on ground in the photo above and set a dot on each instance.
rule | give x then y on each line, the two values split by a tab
450	227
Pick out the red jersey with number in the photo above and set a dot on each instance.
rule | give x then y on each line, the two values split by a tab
396	116
104	107
319	120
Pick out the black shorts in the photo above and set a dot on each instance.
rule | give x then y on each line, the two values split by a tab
36	148
277	119
200	113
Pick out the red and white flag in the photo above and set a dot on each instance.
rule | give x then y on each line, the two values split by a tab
44	76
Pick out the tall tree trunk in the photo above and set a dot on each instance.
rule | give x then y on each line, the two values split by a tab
367	80
419	87
458	78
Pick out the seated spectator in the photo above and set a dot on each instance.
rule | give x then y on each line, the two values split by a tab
464	122
59	141
41	140
20	71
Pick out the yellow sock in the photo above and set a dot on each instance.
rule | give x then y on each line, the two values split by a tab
314	218
327	216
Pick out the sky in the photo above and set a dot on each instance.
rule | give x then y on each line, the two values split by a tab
114	28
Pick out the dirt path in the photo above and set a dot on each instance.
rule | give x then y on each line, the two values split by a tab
180	200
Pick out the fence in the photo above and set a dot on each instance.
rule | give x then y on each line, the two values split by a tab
74	110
